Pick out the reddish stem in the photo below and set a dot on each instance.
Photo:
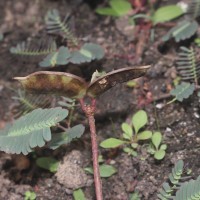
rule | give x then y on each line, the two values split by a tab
89	111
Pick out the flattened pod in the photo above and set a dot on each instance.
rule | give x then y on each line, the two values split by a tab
60	83
106	82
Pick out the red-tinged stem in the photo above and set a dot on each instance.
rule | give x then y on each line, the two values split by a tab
89	111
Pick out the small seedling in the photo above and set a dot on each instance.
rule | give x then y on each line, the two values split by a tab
27	129
156	148
78	195
132	134
30	195
70	51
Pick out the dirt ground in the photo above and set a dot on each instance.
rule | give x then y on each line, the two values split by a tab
178	122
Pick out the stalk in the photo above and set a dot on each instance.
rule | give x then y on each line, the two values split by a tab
89	111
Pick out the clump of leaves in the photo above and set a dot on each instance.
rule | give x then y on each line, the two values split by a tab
33	129
178	188
105	169
74	52
186	28
189	70
162	14
30	131
132	135
156	147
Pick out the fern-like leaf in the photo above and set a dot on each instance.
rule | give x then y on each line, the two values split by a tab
182	31
194	9
27	49
66	137
166	192
29	102
187	65
189	190
55	25
30	130
182	91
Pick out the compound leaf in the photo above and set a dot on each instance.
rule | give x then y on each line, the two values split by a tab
55	25
27	48
59	57
183	91
66	137
30	130
182	31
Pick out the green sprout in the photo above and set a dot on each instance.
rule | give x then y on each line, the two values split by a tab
156	148
132	134
29	195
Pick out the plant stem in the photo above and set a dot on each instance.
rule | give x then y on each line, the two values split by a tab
89	111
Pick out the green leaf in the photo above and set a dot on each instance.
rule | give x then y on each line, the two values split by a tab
184	30
107	11
121	7
87	53
31	130
166	13
156	139
105	170
127	130
48	163
95	50
159	155
163	147
145	135
30	195
182	91
134	145
78	195
139	120
61	57
118	8
59	139
112	143
127	150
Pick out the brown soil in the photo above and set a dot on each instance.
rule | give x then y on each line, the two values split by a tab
178	122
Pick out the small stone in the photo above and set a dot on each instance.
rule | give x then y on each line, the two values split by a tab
70	172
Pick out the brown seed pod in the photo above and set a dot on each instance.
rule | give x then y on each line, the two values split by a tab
69	85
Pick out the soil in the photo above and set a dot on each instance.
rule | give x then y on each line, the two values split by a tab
178	122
